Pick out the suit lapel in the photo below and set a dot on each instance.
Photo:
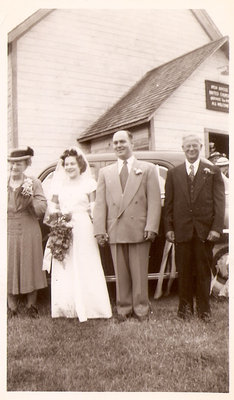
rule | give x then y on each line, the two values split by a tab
114	184
183	178
131	187
199	181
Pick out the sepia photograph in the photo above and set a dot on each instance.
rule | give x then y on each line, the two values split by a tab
115	206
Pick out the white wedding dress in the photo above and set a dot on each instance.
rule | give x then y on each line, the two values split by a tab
78	286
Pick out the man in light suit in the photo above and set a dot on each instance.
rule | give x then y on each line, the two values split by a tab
127	215
194	218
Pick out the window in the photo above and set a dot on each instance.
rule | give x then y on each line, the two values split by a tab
162	172
220	140
46	184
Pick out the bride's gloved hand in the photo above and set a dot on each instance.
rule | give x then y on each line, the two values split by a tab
102	239
67	216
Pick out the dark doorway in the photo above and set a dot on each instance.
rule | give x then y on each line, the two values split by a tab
221	142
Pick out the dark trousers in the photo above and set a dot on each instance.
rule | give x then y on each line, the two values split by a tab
131	269
193	261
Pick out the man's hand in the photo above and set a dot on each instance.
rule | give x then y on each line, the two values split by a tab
170	236
213	236
102	239
148	235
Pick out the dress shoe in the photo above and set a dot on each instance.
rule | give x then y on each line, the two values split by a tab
184	315
123	317
11	313
32	312
142	318
205	317
185	312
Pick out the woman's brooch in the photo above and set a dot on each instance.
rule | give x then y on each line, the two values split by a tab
27	187
208	171
137	171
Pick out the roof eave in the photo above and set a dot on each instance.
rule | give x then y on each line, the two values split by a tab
27	24
210	28
110	131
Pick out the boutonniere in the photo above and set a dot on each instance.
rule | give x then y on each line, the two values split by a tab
27	187
207	171
137	171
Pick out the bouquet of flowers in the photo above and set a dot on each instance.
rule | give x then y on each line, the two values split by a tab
60	236
27	187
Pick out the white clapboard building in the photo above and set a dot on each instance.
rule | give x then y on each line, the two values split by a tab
78	75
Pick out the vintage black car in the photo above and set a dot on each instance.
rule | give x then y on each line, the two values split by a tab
163	162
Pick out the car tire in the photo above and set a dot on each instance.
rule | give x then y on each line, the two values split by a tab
220	272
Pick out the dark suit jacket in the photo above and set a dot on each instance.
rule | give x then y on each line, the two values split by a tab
207	210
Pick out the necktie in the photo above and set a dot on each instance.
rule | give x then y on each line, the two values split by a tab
191	174
124	175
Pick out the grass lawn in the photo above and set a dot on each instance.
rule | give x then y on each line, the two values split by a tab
163	354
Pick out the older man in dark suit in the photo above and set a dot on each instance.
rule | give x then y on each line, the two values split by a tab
194	218
127	215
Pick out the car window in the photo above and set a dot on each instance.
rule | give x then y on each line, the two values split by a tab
109	162
162	174
46	184
95	166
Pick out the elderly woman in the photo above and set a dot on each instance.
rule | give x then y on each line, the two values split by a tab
223	164
26	203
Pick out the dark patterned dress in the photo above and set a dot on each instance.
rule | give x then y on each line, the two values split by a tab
24	240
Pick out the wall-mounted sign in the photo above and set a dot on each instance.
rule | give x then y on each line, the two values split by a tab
217	96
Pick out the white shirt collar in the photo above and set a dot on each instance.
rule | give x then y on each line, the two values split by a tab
195	164
129	164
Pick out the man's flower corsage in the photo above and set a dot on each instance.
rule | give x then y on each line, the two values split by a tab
60	236
27	187
208	171
137	171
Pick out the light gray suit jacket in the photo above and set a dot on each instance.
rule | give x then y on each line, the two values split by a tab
125	216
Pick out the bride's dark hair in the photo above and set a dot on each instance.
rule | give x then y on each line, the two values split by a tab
79	158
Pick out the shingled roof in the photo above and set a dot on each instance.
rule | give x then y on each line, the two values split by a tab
146	96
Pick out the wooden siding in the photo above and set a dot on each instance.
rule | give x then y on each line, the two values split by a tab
11	138
140	141
75	64
27	24
185	111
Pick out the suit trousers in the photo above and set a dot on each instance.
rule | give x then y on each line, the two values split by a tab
131	269
193	261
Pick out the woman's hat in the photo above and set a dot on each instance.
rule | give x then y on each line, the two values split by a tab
214	155
19	154
222	161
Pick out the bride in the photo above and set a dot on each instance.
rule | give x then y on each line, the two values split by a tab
78	286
